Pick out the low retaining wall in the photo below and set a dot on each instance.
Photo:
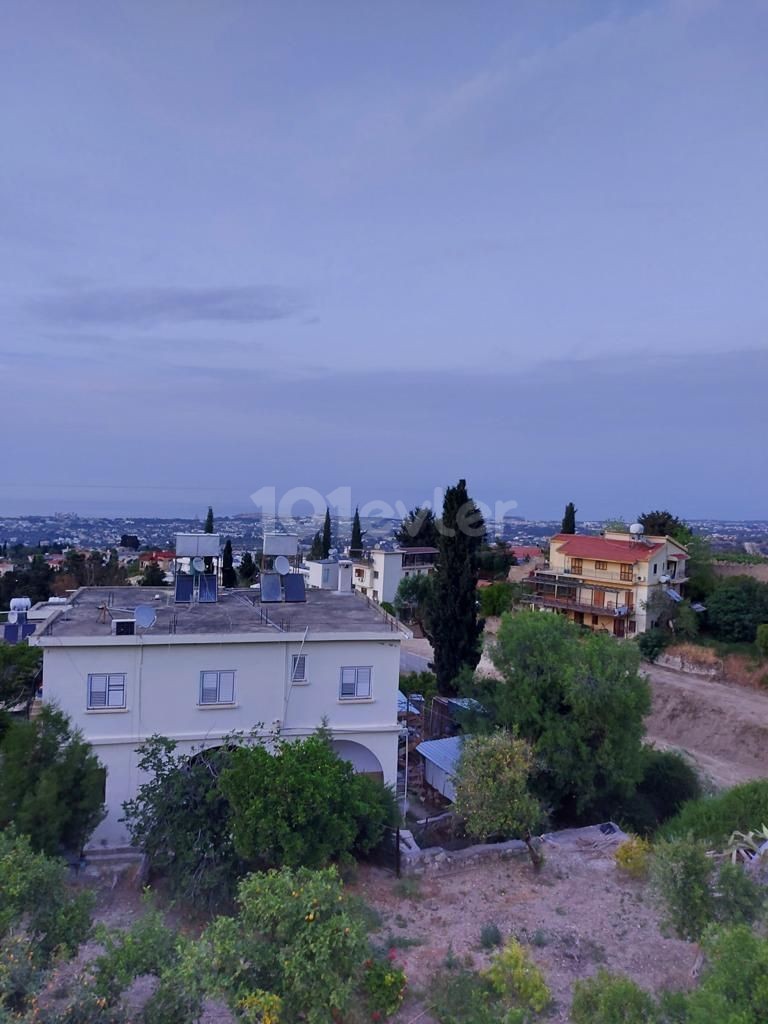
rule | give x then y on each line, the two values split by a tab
693	668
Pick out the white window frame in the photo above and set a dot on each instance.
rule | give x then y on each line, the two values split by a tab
355	682
113	692
297	678
207	686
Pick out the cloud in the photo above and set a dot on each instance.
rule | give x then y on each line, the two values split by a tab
148	307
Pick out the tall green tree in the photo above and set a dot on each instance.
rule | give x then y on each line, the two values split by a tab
53	783
208	527
356	544
327	534
569	519
455	627
579	700
492	792
737	607
418	529
20	667
153	576
316	550
247	567
661	523
228	574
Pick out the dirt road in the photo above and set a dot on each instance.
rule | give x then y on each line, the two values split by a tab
723	727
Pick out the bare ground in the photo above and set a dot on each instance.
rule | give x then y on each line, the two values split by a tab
577	915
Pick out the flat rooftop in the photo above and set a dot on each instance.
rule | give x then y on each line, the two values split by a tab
92	610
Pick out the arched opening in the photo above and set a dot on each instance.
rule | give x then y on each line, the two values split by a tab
363	760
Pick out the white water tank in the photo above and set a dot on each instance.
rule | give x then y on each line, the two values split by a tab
637	529
345	576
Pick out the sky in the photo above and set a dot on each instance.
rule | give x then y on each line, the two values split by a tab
380	246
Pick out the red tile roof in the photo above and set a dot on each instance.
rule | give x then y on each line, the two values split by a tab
603	549
523	551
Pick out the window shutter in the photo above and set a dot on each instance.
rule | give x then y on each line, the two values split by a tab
116	691
209	688
363	682
348	677
226	687
97	691
298	673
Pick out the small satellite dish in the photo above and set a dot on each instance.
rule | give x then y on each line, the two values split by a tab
198	564
145	616
282	565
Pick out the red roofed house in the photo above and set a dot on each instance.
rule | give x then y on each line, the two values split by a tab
605	582
162	558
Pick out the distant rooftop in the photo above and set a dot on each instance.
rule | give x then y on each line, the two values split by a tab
92	610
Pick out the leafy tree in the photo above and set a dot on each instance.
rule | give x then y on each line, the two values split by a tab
667	783
327	534
53	783
294	951
713	818
568	524
455	627
579	700
492	792
499	598
316	550
33	581
129	540
732	988
20	667
228	574
616	525
247	567
699	568
356	544
418	529
663	524
301	805
413	600
182	821
611	999
737	607
153	576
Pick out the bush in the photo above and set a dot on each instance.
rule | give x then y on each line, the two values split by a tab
490	936
517	979
652	643
713	819
496	599
761	639
737	607
610	999
463	997
147	947
633	857
732	988
680	875
53	783
384	984
668	782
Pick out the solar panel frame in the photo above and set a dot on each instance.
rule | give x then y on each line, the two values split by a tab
208	589
295	590
271	591
184	589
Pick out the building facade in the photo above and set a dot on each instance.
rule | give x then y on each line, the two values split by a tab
609	583
379	573
200	672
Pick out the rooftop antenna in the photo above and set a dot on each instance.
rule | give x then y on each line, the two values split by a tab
282	565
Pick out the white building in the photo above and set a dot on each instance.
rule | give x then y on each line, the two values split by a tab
202	671
379	573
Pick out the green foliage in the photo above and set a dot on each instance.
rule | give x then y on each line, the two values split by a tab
652	642
356	543
668	782
388	607
302	805
34	899
153	576
295	938
496	561
327	535
733	987
414	599
737	607
578	700
568	524
147	947
681	876
418	529
316	548
492	792
664	524
761	639
181	820
208	527
247	568
424	683
517	980
739	899
633	857
228	574
455	627
463	997
20	667
52	782
490	936
611	999
496	599
384	983
713	819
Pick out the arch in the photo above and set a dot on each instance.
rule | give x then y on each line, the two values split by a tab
363	760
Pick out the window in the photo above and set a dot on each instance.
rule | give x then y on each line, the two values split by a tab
625	573
655	566
217	687
106	690
576	566
601	565
299	668
355	682
631	626
595	620
375	574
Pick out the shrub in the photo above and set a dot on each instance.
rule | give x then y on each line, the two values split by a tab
147	947
496	599
21	973
739	898
52	783
761	639
668	782
652	643
462	997
516	978
713	819
737	607
384	984
490	936
633	857
610	999
732	988
680	874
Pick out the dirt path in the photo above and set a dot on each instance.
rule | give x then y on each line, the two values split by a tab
723	727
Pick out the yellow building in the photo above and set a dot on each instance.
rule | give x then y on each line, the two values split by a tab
605	583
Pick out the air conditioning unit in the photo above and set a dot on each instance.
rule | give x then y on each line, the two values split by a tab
123	627
640	579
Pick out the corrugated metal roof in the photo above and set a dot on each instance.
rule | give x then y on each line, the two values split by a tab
443	753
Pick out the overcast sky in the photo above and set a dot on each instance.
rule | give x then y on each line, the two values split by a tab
383	245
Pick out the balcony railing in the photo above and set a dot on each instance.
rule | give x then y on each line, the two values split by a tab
608	608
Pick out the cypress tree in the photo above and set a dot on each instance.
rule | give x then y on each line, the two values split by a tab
456	629
356	544
327	538
569	519
228	574
208	528
316	551
247	567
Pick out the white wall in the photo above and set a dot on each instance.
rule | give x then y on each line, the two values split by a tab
162	694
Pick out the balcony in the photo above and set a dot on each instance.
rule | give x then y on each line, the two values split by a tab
576	604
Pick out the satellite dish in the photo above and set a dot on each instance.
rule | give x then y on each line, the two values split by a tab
282	565
145	616
198	564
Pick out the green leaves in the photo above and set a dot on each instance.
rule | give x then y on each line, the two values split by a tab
492	786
